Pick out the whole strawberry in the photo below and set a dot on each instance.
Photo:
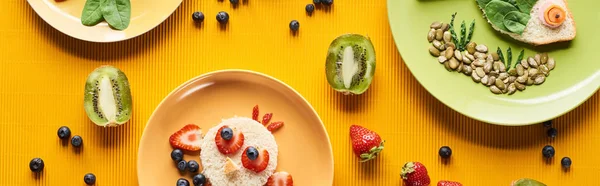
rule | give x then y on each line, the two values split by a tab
365	143
448	183
415	174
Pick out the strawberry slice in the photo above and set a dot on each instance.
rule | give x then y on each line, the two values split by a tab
280	179
266	118
275	125
188	138
255	113
255	159
229	141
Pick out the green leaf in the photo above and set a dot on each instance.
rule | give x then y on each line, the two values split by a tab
496	10
520	58
117	13
482	3
471	28
525	6
92	13
463	34
452	32
516	21
509	57
500	55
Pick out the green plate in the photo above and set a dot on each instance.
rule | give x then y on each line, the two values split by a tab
575	78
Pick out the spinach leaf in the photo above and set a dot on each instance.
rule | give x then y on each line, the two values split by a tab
516	21
117	13
92	13
496	10
482	3
520	58
525	6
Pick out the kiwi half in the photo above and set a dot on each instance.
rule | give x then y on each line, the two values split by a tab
107	99
350	64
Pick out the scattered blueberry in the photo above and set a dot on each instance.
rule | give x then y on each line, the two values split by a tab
76	141
222	17
548	151
252	153
226	133
193	166
181	165
177	155
89	179
566	162
445	152
199	180
294	25
235	2
198	16
552	132
36	165
183	182
316	2
548	123
64	132
310	8
327	2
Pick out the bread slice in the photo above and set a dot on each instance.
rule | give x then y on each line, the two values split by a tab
221	171
536	33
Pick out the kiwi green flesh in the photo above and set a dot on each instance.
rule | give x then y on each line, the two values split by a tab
107	99
350	64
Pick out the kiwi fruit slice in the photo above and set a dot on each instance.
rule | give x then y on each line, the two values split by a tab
107	99
350	64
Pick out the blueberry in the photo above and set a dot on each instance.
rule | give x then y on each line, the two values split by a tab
222	17
183	182
310	8
294	25
252	153
317	2
36	165
235	2
445	152
177	155
548	123
193	166
76	141
89	179
552	132
64	132
566	162
198	16
199	180
226	133
181	165
548	151
327	2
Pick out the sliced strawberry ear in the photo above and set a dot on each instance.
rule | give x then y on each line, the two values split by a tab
280	179
188	138
372	153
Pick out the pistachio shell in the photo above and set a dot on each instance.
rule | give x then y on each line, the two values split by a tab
467	70
442	59
533	72
450	44
437	44
439	34
529	81
466	60
532	62
511	89
434	51
492	81
520	69
453	63
502	67
449	53
487	67
512	72
539	80
480	72
481	48
470	56
458	55
500	84
511	79
447	66
431	35
447	37
460	67
445	26
503	76
495	90
436	25
551	63
544	70
522	79
484	80
519	86
475	77
538	59
544	58
471	47
524	64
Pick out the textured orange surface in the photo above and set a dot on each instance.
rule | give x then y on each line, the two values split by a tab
41	88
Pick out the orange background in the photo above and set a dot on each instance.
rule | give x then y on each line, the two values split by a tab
44	72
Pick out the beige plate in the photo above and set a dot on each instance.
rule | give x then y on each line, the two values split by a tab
65	17
304	147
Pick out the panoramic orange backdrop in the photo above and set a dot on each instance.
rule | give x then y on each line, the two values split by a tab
44	72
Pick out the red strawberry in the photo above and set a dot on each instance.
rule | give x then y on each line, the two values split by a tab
365	143
448	183
229	146
275	125
260	163
266	118
415	174
255	113
280	179
187	138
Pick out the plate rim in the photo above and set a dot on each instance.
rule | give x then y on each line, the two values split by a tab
37	10
490	120
207	75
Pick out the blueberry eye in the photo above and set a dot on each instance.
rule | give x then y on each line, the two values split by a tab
252	153
227	133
